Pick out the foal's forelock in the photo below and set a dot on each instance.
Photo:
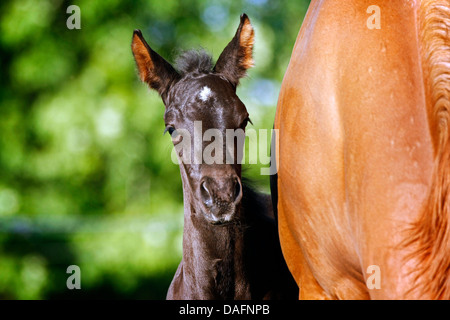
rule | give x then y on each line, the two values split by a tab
194	61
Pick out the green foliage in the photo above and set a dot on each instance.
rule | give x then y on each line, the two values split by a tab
85	173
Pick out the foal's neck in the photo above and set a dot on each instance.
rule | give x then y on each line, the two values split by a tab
213	258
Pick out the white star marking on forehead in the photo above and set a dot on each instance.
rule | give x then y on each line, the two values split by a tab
205	93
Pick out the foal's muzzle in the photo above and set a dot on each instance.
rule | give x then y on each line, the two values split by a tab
220	197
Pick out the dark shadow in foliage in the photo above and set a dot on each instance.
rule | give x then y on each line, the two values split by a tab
56	249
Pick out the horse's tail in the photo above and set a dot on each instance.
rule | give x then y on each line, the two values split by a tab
431	233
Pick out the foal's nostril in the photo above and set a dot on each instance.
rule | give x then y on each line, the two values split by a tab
206	195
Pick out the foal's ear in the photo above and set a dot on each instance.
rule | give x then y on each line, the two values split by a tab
153	69
236	58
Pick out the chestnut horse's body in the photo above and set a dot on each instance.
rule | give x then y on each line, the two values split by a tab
364	152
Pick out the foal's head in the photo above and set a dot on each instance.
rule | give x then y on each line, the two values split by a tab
196	91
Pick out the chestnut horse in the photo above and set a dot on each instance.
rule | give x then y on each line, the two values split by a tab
231	248
364	151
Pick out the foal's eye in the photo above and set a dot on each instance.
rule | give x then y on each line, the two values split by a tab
169	129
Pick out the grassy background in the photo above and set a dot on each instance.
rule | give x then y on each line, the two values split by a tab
85	172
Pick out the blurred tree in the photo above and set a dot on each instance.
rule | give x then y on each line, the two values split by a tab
85	173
